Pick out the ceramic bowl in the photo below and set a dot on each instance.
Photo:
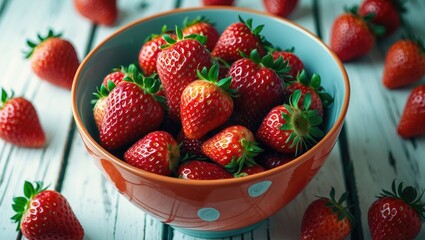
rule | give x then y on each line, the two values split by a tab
210	208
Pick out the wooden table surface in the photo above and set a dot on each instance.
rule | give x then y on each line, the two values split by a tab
368	156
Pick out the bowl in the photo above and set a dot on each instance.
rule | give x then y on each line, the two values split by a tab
210	208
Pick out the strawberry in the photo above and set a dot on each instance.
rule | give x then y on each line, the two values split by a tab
290	129
239	37
45	214
191	147
103	12
19	123
206	103
250	170
386	13
259	85
232	148
100	102
413	118
271	159
281	8
115	77
150	49
177	66
294	62
157	152
201	26
218	2
326	218
132	111
404	63
202	170
352	35
319	98
53	59
398	214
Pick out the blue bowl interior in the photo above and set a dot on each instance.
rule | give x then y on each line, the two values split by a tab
123	49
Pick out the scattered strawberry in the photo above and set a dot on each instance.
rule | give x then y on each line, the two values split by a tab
404	63
326	218
386	13
281	8
53	59
396	215
103	12
202	170
177	66
260	87
133	110
413	118
201	26
352	35
232	148
294	62
45	214
19	123
150	49
270	160
218	2
239	37
157	152
250	170
319	98
206	103
290	129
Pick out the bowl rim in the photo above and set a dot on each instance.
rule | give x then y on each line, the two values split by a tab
219	182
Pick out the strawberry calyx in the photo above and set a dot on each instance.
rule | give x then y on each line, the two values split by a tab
164	30
171	41
302	123
409	195
337	206
102	92
33	45
315	83
256	31
22	204
199	19
211	75
250	150
5	97
280	66
376	29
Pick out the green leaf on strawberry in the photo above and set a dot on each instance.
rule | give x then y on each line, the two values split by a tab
170	41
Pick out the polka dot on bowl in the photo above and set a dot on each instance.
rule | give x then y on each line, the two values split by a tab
259	189
208	214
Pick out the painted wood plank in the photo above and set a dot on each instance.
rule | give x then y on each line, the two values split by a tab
19	164
378	154
103	212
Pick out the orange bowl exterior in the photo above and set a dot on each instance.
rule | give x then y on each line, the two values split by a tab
210	205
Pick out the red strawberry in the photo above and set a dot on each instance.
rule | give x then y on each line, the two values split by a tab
259	85
326	218
201	26
386	13
190	147
293	61
270	160
352	36
396	215
218	2
319	98
290	129
19	123
202	170
206	103
45	214
116	76
404	63
157	152
103	12
413	118
132	111
149	51
100	102
239	37
250	170
177	66
232	148
54	59
281	8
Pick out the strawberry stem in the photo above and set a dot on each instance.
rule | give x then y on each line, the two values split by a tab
33	45
211	75
337	206
251	150
171	41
